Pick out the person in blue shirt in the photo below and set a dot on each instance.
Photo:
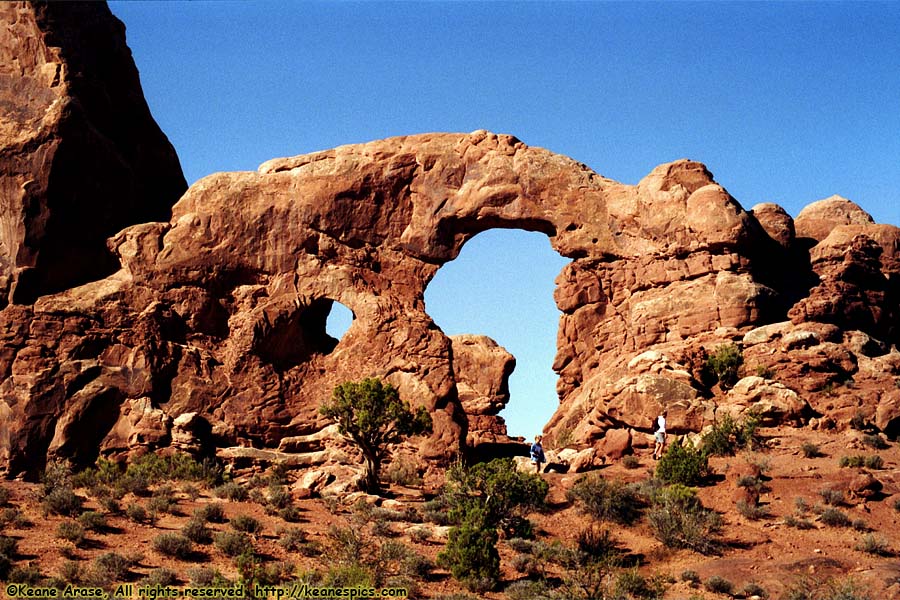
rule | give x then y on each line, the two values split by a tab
537	454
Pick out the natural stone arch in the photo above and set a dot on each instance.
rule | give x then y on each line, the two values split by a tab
654	264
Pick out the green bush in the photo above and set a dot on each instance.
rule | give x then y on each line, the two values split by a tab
725	363
810	450
874	545
70	531
471	553
872	461
719	585
232	491
62	501
211	513
92	521
752	512
875	441
683	464
246	523
834	518
831	496
29	574
8	546
159	577
136	513
631	584
728	436
752	589
110	567
232	543
174	545
630	461
679	520
606	500
197	531
598	546
291	539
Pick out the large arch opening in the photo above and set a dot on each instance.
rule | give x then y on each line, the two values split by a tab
501	285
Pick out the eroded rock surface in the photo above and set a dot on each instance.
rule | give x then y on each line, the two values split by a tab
80	155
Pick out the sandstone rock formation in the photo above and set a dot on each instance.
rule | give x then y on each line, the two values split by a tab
210	335
80	155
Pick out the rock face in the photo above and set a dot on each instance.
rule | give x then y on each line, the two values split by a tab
210	334
80	155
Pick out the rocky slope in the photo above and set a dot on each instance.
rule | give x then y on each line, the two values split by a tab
211	333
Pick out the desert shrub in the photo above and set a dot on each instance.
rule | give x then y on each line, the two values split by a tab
606	500
679	520
632	584
875	441
420	534
520	545
111	506
690	576
416	566
207	577
682	464
174	545
232	543
110	567
724	364
719	585
163	500
153	469
437	511
159	577
797	522
764	372
727	436
279	496
524	563
871	544
92	521
29	574
13	517
859	525
752	589
197	531
810	450
246	523
291	539
403	471
232	491
291	514
751	482
211	513
858	421
136	513
874	462
62	501
4	496
71	572
834	518
349	576
525	590
897	504
832	496
71	531
630	461
471	554
752	512
8	546
598	545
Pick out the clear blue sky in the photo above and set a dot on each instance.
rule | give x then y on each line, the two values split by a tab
784	102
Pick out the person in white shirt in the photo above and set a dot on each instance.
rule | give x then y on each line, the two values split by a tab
660	435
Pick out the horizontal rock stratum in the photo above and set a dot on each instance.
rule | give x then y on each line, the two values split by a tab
219	314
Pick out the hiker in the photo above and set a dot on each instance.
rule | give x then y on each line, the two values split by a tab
537	453
660	436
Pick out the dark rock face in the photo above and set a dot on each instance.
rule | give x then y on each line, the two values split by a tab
80	155
211	330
